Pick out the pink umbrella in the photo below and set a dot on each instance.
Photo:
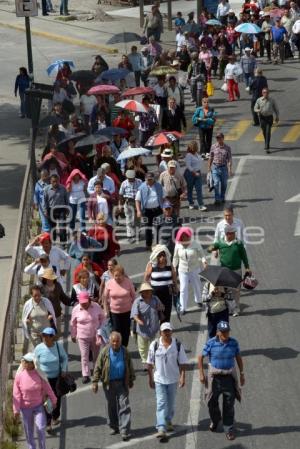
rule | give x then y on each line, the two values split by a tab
137	91
274	12
103	89
132	105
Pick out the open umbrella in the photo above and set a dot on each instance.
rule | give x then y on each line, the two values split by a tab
214	22
49	121
92	139
56	65
248	28
163	70
221	276
83	76
162	138
277	12
103	89
192	28
112	75
73	138
142	90
132	105
124	38
133	152
111	131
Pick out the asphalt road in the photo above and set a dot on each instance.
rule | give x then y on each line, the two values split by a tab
267	330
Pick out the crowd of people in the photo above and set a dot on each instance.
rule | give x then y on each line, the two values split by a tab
87	191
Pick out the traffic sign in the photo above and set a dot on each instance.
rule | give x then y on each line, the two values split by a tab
26	8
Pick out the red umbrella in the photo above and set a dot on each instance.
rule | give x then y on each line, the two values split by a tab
277	12
162	138
103	89
138	91
132	105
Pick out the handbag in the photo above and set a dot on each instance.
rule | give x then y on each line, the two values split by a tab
64	384
224	87
210	89
48	406
250	281
143	40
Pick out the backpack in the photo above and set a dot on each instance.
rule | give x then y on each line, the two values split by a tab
178	346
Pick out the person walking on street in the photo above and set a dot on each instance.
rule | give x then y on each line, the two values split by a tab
149	202
115	370
205	118
193	175
146	310
167	358
232	71
222	378
22	83
127	194
87	318
248	64
29	392
174	186
188	258
266	107
279	36
53	361
258	83
220	166
56	206
232	255
38	198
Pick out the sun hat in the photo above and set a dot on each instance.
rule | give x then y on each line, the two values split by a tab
83	297
130	174
172	164
184	231
167	153
49	274
29	357
165	327
145	287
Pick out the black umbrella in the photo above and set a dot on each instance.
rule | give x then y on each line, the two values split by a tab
84	76
73	138
49	121
192	28
92	139
124	38
221	276
111	131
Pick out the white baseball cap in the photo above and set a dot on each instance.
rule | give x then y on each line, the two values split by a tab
166	327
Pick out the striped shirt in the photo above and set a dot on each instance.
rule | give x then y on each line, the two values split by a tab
161	277
221	355
220	156
129	189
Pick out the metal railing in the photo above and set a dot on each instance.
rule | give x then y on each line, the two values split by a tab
11	298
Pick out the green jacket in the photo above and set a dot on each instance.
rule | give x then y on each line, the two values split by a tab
232	256
101	371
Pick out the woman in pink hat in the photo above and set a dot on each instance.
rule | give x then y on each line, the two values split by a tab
188	258
87	318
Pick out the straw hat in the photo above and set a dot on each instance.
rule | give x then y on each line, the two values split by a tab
49	274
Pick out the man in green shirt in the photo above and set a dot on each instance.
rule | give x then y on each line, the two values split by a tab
232	255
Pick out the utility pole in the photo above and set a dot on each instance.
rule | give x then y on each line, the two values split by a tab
29	47
141	13
27	9
170	15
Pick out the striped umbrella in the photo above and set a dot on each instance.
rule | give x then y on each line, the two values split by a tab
132	105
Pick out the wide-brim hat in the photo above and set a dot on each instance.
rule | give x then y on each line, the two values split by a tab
145	287
49	274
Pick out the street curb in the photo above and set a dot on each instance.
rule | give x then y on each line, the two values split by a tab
60	38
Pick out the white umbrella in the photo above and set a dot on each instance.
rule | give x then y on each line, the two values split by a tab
133	152
132	105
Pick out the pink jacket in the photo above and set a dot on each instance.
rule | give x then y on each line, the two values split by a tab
120	296
30	390
73	174
84	323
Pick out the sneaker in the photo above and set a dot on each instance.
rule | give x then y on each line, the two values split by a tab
114	431
247	89
86	379
230	436
235	314
202	208
161	435
125	436
169	427
55	422
191	207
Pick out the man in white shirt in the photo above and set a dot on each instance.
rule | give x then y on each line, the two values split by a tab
229	219
180	40
167	358
222	11
108	183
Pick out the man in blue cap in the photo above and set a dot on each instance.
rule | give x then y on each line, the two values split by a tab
222	379
168	227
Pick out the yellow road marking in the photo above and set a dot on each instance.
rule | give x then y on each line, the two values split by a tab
65	39
293	134
238	130
260	137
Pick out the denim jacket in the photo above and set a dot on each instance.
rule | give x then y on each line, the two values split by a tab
144	194
199	113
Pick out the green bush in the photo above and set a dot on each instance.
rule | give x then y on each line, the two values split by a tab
11	425
8	445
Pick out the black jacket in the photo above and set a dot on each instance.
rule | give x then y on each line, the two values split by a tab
257	85
172	122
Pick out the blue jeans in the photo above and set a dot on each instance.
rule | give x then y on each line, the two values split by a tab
22	103
165	401
220	177
193	181
63	9
248	79
82	207
44	220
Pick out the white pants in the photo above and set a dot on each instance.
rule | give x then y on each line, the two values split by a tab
184	279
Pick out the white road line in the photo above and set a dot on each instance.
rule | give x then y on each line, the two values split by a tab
236	178
273	158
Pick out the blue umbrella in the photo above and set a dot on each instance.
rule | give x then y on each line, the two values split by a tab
112	75
133	152
111	131
248	28
55	66
214	22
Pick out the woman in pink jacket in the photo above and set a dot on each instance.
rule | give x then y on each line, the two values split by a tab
29	393
119	295
87	317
